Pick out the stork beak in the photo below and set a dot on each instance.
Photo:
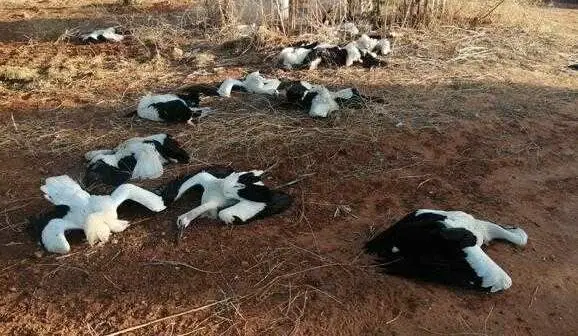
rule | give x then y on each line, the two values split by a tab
180	233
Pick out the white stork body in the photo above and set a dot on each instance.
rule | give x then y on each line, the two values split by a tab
141	157
172	108
319	101
253	83
367	44
323	103
94	214
146	106
233	197
219	193
291	57
102	35
353	54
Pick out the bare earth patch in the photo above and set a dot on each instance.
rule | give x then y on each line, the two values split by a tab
482	120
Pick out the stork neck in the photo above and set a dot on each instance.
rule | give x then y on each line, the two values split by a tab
495	231
203	179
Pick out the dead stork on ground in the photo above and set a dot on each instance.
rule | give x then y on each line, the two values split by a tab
444	247
233	197
177	107
375	44
297	55
252	83
313	55
109	34
318	101
95	215
136	158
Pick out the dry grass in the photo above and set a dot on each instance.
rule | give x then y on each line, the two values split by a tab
499	73
17	74
149	61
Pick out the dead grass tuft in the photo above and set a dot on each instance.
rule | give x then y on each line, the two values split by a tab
204	59
17	73
242	39
131	2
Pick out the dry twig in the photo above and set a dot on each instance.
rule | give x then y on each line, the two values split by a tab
140	326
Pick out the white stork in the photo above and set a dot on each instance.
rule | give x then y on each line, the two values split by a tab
102	35
94	214
232	197
252	83
136	158
446	247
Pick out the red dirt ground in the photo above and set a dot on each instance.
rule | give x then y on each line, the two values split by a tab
509	154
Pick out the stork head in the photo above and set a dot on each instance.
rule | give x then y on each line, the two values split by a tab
173	151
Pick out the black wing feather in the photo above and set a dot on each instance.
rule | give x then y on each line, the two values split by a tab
107	174
173	111
426	250
278	202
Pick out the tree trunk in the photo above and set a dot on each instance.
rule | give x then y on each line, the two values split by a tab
378	15
284	9
352	9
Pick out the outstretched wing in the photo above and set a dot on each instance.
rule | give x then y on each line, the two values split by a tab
62	190
266	86
131	192
241	211
36	224
323	103
493	277
228	85
53	238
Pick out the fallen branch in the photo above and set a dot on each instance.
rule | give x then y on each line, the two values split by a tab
140	326
395	318
178	263
299	179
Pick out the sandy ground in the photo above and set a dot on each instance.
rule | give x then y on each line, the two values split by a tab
495	135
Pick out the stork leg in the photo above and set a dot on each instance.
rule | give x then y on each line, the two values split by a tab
185	219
